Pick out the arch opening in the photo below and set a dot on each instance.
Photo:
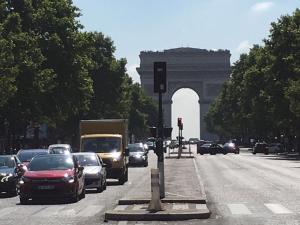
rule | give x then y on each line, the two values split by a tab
185	104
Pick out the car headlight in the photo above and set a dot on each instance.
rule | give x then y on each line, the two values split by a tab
24	180
116	156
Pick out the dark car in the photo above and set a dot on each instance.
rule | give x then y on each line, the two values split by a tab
137	154
231	147
94	170
52	176
10	171
25	155
260	147
210	148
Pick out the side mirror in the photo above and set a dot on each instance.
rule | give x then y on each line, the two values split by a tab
126	151
20	169
80	168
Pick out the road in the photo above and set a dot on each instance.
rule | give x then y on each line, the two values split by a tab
241	189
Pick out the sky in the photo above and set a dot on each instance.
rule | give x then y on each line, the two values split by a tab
139	25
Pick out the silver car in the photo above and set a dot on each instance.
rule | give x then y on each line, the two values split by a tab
94	170
60	149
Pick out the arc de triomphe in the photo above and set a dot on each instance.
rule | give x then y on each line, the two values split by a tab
203	71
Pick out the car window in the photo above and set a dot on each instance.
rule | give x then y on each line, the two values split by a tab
51	163
88	160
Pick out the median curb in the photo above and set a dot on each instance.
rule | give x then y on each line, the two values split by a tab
131	201
165	215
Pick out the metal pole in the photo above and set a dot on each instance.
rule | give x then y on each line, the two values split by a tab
160	159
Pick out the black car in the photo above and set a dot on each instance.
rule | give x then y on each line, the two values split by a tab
210	148
231	147
137	154
25	155
10	171
260	147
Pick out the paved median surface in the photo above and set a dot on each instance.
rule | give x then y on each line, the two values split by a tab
185	196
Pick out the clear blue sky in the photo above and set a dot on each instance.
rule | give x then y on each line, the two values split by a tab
137	25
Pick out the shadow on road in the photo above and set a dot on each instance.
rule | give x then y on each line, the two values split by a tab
7	195
290	157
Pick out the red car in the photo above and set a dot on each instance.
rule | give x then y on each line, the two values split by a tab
52	176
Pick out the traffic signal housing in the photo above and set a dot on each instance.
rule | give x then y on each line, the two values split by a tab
179	123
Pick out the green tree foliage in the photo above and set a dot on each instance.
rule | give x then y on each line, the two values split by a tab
261	98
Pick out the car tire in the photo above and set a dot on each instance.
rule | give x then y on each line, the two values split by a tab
101	187
23	200
75	198
146	164
105	184
266	153
124	177
253	153
201	153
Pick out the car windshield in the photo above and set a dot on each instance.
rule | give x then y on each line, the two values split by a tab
59	150
101	144
133	148
87	160
7	162
51	162
205	145
27	155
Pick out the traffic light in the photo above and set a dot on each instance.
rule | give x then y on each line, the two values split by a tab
179	123
160	77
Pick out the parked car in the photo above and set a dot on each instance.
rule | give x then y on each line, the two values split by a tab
10	172
260	147
60	149
210	148
275	148
94	170
137	154
52	176
231	147
25	155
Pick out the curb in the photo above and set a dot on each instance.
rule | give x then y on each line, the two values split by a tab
164	200
169	215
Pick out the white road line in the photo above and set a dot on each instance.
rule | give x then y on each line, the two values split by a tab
277	208
139	207
49	211
239	209
121	207
7	211
122	223
90	210
201	206
180	206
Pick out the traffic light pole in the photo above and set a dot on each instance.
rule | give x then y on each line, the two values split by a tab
160	156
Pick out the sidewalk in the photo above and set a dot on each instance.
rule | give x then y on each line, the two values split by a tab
185	197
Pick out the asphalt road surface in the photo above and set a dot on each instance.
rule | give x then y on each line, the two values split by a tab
241	189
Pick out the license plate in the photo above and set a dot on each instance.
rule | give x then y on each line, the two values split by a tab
46	187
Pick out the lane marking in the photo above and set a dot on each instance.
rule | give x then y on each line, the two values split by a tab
122	223
49	211
201	206
121	207
180	206
239	209
277	208
90	210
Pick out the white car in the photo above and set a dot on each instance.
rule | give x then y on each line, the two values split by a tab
275	148
60	149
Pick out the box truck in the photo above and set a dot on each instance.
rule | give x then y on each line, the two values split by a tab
107	138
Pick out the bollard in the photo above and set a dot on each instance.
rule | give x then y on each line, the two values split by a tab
155	203
179	151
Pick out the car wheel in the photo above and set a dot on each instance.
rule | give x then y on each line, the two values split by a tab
266	153
75	198
100	188
201	153
146	164
105	184
23	200
124	177
253	153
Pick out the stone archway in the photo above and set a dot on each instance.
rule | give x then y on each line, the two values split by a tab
203	71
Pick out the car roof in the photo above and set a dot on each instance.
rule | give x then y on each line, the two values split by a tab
53	155
60	145
84	153
34	150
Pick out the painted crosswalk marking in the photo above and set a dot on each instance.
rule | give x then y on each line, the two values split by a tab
277	208
122	223
239	209
49	211
180	206
121	207
91	210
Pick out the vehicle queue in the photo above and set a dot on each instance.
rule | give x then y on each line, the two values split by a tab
56	172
